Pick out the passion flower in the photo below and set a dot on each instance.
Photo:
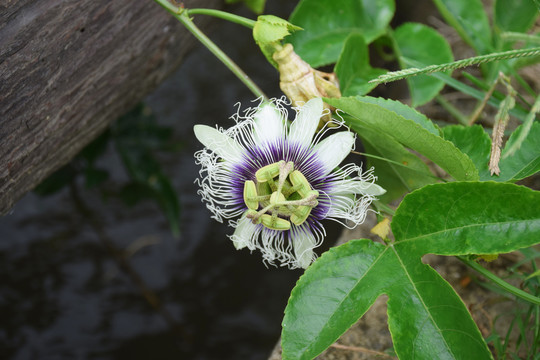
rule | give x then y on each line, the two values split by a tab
276	183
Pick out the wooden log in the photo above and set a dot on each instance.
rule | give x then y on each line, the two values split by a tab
69	68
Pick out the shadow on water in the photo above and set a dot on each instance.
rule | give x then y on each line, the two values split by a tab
86	277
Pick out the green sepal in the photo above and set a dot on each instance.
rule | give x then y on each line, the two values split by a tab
268	31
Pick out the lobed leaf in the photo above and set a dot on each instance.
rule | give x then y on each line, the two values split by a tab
426	317
341	286
332	294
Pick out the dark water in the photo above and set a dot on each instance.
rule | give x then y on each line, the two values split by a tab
64	294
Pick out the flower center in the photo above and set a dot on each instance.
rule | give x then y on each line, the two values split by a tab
280	195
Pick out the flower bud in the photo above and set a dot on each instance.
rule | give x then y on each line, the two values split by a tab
300	82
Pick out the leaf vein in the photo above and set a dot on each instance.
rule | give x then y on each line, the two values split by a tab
422	301
427	235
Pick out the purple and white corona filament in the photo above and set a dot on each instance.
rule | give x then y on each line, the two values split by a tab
276	184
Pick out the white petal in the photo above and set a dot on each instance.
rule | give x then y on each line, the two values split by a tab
304	126
334	149
303	243
268	125
244	234
344	187
223	145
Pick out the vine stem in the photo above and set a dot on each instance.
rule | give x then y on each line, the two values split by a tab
477	60
182	15
240	20
501	283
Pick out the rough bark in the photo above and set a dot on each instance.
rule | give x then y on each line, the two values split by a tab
69	68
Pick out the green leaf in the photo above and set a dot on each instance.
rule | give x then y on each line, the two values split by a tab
409	133
525	161
83	163
257	6
469	90
136	135
470	21
473	141
57	180
133	192
332	294
406	111
328	23
268	31
515	15
353	69
146	171
401	172
167	198
463	218
96	148
94	176
424	45
426	317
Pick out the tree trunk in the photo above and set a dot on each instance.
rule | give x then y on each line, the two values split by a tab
69	68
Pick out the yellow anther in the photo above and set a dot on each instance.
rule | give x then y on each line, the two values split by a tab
267	172
300	214
275	223
250	195
298	179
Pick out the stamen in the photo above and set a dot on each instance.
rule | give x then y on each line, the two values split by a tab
250	195
268	172
289	182
300	214
298	179
275	223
